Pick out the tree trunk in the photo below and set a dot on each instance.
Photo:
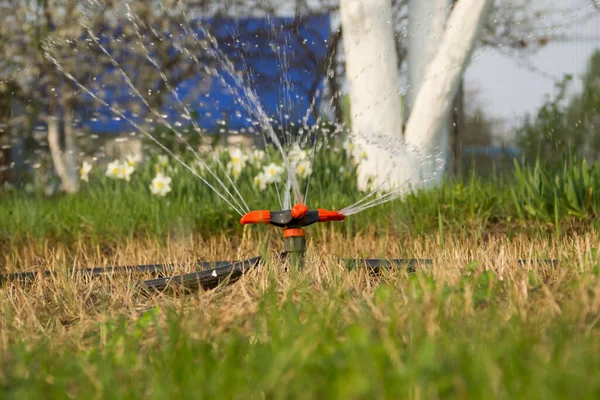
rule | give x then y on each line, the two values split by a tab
376	113
6	102
458	121
426	26
70	152
62	166
438	88
372	73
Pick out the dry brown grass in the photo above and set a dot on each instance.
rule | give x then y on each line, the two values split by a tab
70	307
277	328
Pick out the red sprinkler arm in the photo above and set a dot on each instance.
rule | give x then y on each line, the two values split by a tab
299	211
257	217
327	216
299	216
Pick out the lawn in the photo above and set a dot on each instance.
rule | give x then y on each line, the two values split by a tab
473	324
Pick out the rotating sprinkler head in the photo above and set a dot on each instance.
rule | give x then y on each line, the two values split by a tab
292	222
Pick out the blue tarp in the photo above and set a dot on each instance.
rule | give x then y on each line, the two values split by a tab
280	59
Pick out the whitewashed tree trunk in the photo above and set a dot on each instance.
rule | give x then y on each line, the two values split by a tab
372	74
438	88
64	169
426	26
70	152
373	83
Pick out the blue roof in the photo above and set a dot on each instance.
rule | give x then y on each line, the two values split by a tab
281	59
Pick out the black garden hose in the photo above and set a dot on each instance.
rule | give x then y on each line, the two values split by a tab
212	273
377	264
29	276
208	279
550	262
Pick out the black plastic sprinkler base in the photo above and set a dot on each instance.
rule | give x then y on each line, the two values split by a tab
295	247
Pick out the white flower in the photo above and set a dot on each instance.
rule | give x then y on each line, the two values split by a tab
161	185
163	160
273	173
359	154
84	171
260	181
119	170
257	157
113	169
237	157
234	169
237	163
348	145
363	154
126	171
296	155
134	159
304	169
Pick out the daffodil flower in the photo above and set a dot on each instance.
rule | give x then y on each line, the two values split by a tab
237	162
260	181
257	157
84	171
113	169
134	159
304	169
237	157
234	169
163	160
348	146
119	170
273	173
161	185
126	171
359	154
297	155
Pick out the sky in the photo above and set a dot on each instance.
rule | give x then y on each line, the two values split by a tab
508	88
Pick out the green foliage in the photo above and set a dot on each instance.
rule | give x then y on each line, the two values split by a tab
394	343
566	124
547	194
108	210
